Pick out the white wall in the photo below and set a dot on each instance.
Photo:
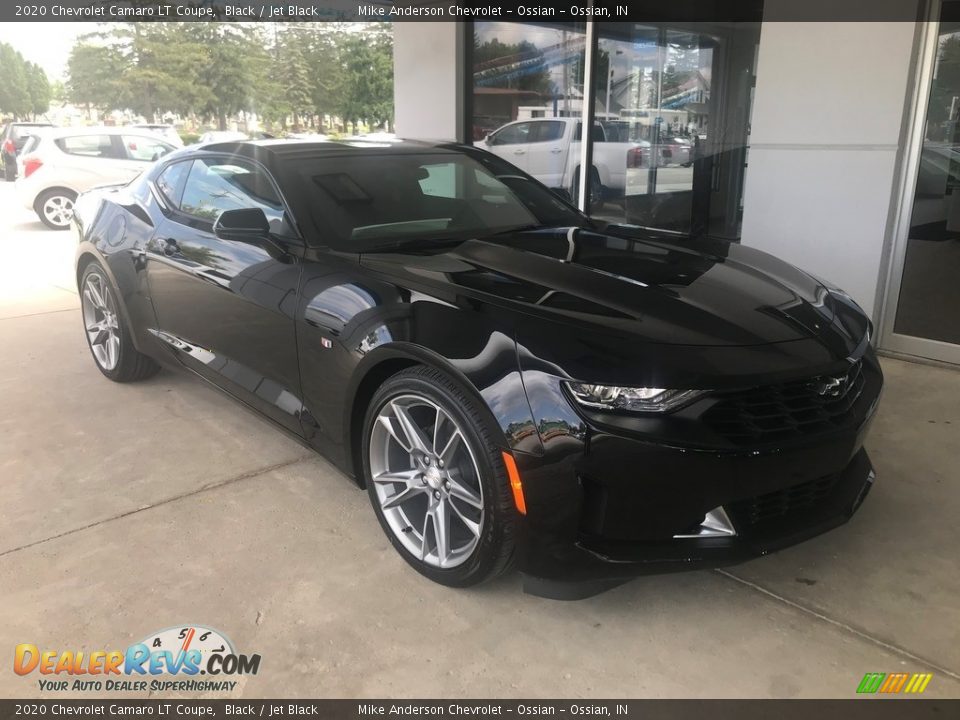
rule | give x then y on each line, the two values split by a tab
825	133
427	93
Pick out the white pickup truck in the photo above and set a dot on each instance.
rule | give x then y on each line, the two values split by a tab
549	149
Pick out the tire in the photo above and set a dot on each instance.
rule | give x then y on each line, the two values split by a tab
55	208
106	331
596	190
483	522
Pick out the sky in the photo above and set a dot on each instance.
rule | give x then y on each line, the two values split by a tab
47	44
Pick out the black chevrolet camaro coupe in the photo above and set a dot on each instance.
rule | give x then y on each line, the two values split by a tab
514	383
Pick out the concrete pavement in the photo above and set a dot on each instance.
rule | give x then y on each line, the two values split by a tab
127	509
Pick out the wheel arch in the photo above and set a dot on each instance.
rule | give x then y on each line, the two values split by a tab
382	364
87	255
46	190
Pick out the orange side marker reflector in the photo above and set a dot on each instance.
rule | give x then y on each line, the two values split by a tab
515	485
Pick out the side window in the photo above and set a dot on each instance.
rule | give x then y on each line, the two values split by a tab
99	146
218	184
171	180
547	131
441	180
597	135
139	147
513	135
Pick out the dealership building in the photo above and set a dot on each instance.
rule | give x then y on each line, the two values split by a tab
832	145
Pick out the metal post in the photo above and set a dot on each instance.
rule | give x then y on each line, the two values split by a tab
586	117
654	160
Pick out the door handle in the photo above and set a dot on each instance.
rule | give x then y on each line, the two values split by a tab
556	151
170	247
519	152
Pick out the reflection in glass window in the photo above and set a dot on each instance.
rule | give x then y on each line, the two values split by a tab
511	134
440	180
929	291
524	71
171	180
671	105
681	97
217	184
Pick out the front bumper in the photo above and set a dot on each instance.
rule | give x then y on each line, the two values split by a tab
624	500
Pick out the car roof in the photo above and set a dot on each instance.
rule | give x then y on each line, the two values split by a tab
102	130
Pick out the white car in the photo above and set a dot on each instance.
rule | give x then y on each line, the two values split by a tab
65	162
549	149
216	136
167	132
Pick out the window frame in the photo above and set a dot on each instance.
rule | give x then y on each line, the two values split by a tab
203	224
172	204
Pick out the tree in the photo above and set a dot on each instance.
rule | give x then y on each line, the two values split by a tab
368	78
293	91
38	87
94	73
293	71
14	83
230	54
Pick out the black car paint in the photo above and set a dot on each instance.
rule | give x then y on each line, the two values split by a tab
305	337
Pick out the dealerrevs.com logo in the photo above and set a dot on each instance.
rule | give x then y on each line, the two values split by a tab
184	653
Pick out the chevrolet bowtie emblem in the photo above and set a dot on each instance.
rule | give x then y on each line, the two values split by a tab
829	386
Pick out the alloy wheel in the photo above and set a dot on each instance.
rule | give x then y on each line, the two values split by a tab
100	321
58	209
426	480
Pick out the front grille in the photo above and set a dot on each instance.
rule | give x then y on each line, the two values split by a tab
793	410
782	503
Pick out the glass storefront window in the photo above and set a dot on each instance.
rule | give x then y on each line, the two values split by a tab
929	291
525	71
671	107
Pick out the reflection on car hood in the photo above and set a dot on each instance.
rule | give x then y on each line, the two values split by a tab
683	292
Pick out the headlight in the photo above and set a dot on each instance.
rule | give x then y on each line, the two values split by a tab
635	399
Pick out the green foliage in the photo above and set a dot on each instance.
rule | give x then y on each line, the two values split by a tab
285	72
24	87
367	64
536	81
94	73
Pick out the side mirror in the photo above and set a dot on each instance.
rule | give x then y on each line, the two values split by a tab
487	141
244	225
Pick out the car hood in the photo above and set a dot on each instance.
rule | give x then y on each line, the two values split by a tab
704	293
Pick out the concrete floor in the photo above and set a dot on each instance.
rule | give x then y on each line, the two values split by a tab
127	509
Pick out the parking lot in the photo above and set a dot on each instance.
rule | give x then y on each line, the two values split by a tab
130	508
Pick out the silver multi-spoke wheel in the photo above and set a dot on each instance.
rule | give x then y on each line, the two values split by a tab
101	321
58	210
426	480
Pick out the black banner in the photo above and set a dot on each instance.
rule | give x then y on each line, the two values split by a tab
853	709
437	10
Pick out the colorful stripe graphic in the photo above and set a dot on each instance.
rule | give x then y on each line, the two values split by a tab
914	683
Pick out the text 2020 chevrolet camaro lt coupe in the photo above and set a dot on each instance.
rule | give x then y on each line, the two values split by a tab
513	382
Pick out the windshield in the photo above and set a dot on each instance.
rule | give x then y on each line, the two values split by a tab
365	201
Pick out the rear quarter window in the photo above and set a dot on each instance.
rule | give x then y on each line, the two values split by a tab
170	182
95	146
